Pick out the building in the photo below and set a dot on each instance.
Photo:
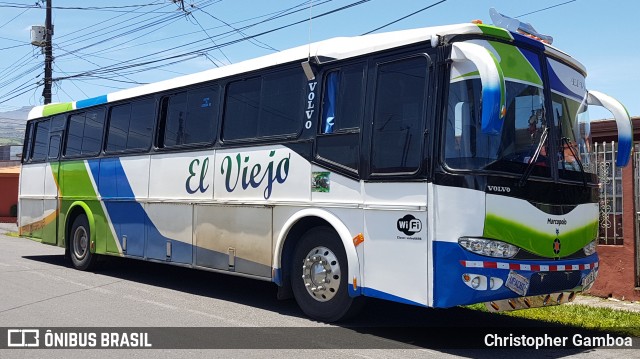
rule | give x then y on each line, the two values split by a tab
9	193
619	246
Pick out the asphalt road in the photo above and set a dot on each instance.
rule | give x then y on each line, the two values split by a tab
39	289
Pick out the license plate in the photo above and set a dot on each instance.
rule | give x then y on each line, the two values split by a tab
589	279
517	283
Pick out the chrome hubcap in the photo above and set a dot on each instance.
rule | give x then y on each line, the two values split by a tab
80	243
321	274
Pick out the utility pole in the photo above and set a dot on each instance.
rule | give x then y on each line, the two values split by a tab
48	56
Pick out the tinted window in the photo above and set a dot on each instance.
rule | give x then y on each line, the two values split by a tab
281	103
41	143
271	105
74	135
342	99
84	134
119	119
242	109
398	132
28	138
189	117
54	146
131	126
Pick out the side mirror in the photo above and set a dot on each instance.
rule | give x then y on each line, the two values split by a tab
623	121
492	79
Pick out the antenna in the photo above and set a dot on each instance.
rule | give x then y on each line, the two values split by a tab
310	17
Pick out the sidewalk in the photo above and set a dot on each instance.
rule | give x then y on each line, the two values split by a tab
606	303
8	227
580	299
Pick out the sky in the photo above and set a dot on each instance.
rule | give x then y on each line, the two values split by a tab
211	33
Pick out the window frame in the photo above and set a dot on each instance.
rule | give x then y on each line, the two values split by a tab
262	139
99	152
161	118
130	102
427	113
342	132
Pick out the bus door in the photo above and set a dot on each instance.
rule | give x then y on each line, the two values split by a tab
51	189
395	199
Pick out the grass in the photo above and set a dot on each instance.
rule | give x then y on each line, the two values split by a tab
12	234
583	316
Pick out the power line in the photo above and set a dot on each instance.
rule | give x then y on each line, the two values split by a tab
404	17
128	65
15	17
546	8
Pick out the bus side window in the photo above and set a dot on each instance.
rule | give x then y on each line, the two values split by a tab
265	106
28	143
342	99
130	125
189	117
84	134
338	141
41	141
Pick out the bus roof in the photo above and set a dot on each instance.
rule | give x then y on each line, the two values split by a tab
336	48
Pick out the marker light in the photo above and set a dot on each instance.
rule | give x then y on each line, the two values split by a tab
590	248
488	247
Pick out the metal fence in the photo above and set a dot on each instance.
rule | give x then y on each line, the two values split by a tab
611	193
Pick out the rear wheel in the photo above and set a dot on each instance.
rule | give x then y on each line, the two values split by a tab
319	276
79	244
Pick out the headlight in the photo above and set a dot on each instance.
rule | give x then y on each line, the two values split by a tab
488	247
590	248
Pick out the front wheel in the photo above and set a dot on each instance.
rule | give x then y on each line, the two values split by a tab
79	244
319	277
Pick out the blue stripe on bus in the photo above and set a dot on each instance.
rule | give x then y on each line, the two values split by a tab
129	218
529	41
91	101
449	288
556	84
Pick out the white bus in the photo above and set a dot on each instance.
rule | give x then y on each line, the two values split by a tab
437	167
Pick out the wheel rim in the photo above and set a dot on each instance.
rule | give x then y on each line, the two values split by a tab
80	243
321	274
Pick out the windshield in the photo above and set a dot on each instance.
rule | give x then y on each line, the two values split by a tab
466	147
529	130
571	120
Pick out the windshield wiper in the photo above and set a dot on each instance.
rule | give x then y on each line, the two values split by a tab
565	141
534	158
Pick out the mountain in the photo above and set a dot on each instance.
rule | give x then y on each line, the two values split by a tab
12	125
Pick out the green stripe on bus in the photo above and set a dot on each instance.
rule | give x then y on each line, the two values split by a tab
537	242
57	108
495	31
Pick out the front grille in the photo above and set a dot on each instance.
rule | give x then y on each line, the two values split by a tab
551	282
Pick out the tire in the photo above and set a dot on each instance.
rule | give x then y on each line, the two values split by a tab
79	244
320	249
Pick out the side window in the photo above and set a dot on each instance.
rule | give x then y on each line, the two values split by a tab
41	141
189	117
399	109
131	126
84	133
341	116
270	105
28	142
55	136
242	109
342	99
54	146
281	102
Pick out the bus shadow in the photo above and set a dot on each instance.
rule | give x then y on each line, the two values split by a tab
391	325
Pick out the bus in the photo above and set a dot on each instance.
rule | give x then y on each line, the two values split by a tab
436	167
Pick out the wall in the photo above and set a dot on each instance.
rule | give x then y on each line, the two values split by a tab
8	195
616	276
